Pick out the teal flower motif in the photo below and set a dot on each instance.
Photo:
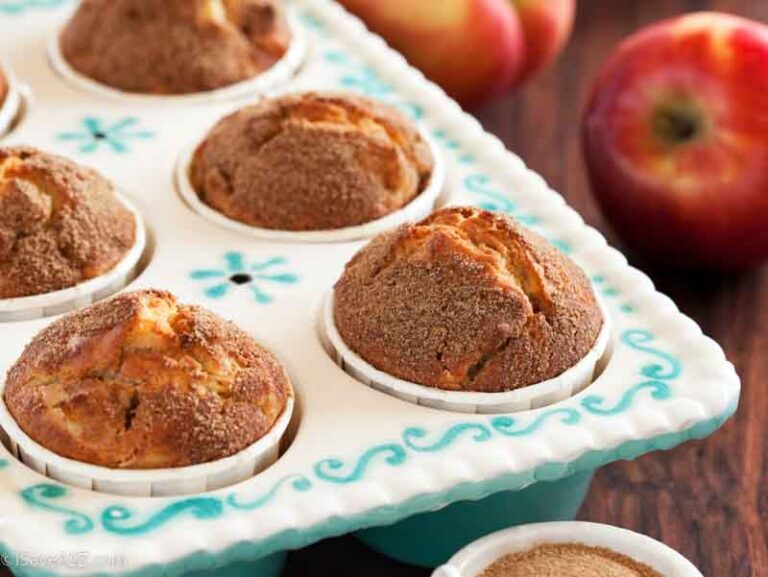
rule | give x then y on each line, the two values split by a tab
237	273
492	199
19	6
96	133
609	291
311	22
452	145
365	80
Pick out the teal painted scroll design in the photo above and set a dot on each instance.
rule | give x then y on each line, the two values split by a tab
510	427
479	433
21	6
40	496
657	374
237	271
3	463
120	520
298	482
326	470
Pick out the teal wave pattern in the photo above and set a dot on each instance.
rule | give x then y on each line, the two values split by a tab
40	496
415	440
394	455
298	482
479	432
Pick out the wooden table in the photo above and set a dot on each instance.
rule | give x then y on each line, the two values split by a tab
707	499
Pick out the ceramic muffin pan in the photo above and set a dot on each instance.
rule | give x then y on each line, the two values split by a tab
356	458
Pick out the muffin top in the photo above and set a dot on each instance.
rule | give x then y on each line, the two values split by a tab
466	300
3	87
568	559
311	162
60	223
174	46
140	381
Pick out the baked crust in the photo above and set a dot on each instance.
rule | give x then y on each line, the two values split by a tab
174	46
140	381
60	223
311	162
466	300
3	87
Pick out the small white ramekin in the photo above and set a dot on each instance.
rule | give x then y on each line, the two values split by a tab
473	559
11	104
280	73
83	294
147	482
534	396
420	207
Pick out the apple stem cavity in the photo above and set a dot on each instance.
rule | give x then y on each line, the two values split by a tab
677	124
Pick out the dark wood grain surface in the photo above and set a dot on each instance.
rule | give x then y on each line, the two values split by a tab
707	499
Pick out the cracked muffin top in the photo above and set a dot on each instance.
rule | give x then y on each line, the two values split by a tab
140	381
60	223
466	300
174	46
311	162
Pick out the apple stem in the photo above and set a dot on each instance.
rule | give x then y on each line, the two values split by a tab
676	124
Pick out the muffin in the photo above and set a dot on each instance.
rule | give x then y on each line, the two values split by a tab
571	559
142	382
3	88
466	300
311	162
60	224
174	46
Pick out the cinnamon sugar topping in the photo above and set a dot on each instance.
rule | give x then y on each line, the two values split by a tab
60	223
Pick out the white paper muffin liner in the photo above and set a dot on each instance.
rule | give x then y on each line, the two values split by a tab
279	73
418	208
473	559
85	293
533	396
148	482
9	108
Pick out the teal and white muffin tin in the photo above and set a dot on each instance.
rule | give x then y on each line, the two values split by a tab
416	482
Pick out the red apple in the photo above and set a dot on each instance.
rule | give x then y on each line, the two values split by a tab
469	47
474	49
675	139
547	25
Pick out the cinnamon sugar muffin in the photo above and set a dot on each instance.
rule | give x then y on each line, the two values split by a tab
60	223
311	162
466	300
174	46
140	381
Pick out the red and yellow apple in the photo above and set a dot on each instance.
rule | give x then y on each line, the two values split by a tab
546	26
474	49
675	139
